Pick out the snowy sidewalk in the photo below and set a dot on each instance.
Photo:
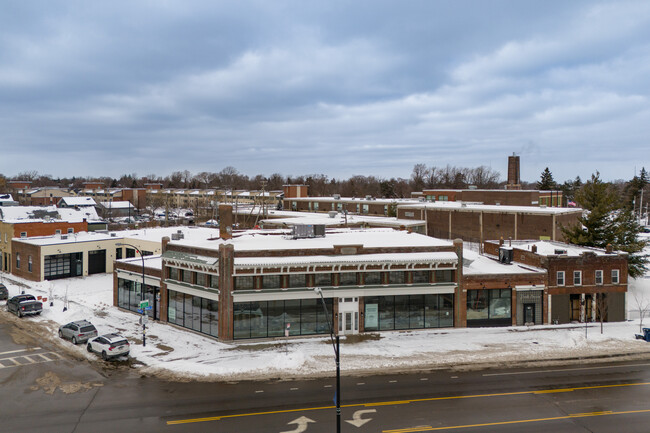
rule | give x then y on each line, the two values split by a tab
177	353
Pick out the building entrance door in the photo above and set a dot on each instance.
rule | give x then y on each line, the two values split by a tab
529	313
348	316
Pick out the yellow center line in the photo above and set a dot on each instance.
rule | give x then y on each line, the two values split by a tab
522	421
397	402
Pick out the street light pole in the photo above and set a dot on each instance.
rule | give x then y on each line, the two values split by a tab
144	326
335	345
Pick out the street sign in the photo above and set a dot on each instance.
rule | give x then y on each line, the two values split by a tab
144	304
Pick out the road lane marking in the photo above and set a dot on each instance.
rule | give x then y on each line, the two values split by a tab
31	349
397	402
392	381
293	389
559	370
327	386
424	378
360	383
257	392
521	421
16	360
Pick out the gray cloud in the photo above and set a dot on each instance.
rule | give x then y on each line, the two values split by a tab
371	87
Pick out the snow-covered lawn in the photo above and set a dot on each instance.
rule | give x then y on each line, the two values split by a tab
175	352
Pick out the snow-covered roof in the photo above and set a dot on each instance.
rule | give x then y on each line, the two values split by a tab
6	197
478	264
151	234
473	207
254	240
116	204
293	218
13	214
361	200
391	258
150	262
78	201
550	248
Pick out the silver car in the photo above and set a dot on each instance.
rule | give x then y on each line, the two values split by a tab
109	346
79	331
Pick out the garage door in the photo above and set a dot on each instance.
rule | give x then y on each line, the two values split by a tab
96	262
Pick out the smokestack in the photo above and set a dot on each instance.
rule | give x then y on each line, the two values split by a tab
514	181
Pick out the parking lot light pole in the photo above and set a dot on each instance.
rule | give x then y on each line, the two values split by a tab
335	345
144	326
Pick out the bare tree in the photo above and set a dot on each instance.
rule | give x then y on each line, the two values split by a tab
641	301
601	308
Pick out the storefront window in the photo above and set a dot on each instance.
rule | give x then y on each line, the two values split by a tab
270	318
193	312
485	306
371	278
408	312
348	279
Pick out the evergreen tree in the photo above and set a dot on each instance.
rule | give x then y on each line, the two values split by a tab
546	182
604	223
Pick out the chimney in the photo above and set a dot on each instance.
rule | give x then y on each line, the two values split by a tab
534	249
608	249
514	181
501	241
458	247
165	241
225	221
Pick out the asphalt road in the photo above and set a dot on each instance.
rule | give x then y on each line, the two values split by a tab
43	388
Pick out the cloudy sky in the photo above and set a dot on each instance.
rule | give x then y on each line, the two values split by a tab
334	87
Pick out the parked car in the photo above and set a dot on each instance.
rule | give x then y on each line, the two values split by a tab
109	346
4	293
79	331
24	305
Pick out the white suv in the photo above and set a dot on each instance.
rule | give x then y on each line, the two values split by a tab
109	346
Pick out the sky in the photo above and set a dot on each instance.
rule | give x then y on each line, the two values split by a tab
333	87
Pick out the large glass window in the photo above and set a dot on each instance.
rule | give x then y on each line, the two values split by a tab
271	281
193	312
446	276
494	304
348	279
396	277
297	280
272	318
371	278
322	280
421	277
244	283
408	312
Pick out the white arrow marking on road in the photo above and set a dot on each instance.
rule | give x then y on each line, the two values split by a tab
302	424
356	418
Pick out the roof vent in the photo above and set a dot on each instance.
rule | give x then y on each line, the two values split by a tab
368	197
64	236
559	251
337	196
332	213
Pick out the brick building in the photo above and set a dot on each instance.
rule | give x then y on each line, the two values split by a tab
476	223
516	197
576	278
24	221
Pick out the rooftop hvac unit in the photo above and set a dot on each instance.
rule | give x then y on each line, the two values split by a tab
368	197
506	255
64	236
176	237
559	251
337	196
113	235
332	213
303	231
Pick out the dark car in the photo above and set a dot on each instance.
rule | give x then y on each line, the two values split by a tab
4	293
24	305
79	331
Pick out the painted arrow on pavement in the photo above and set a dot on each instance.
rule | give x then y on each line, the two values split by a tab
302	424
356	418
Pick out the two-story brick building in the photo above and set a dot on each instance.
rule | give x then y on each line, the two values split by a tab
576	277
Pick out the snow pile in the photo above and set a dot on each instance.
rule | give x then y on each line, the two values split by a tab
174	352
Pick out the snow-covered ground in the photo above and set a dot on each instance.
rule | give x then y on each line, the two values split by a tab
178	353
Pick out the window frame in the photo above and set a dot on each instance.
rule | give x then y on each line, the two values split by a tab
577	278
596	278
617	279
557	278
